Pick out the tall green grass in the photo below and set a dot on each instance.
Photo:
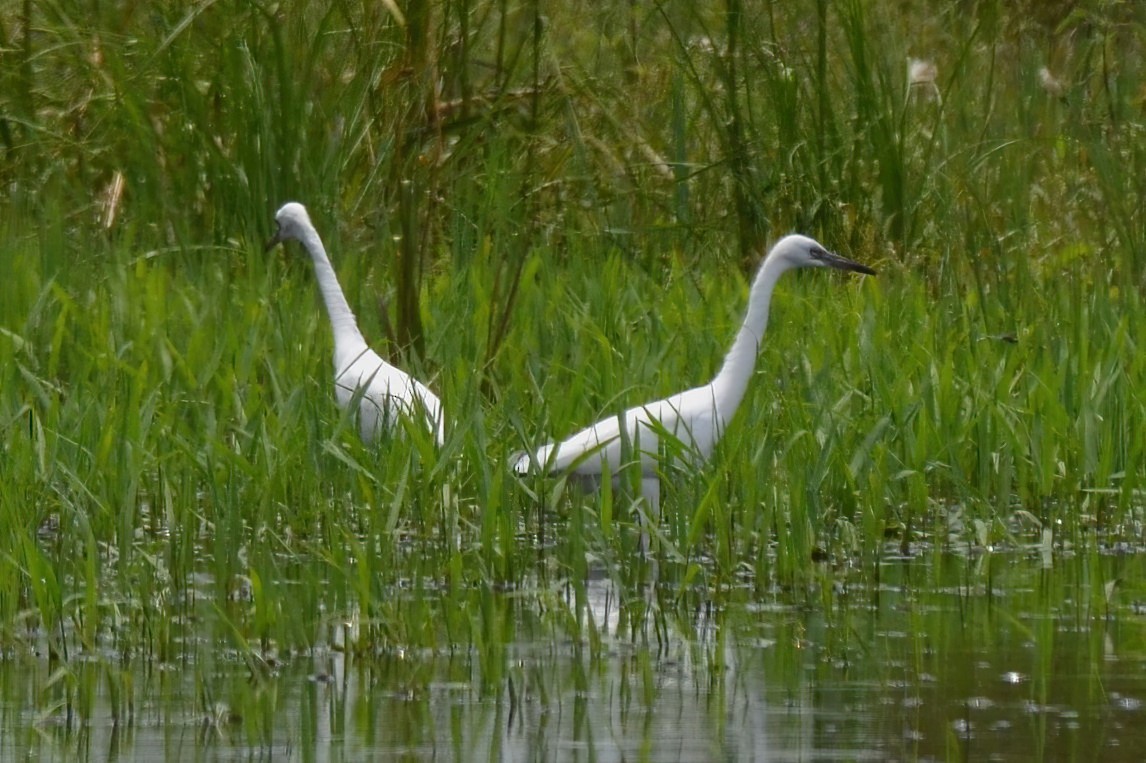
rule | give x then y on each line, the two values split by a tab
550	213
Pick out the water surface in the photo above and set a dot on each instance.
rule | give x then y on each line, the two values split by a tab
941	656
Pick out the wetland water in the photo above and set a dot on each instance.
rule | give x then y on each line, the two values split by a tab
1009	656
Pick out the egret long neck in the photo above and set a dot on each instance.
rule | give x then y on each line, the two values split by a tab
732	380
341	317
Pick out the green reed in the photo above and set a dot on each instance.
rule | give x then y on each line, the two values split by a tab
551	216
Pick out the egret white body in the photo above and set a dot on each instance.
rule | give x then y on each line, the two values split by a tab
382	392
695	419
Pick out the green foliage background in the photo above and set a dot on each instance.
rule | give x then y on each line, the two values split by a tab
550	210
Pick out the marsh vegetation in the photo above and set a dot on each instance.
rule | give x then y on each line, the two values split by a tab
921	537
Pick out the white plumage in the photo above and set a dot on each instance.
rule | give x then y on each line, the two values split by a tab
696	418
383	392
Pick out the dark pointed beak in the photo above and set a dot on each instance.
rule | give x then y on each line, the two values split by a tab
275	241
833	260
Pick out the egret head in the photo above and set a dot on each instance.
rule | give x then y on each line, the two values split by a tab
293	222
803	252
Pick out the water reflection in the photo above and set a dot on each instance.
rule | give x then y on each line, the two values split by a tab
998	657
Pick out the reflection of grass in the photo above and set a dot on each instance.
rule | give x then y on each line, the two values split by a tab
552	218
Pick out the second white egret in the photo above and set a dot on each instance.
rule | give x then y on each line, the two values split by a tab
383	392
695	418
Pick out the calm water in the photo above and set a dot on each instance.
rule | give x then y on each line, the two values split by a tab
945	656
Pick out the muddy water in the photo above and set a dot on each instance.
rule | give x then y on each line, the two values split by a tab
942	656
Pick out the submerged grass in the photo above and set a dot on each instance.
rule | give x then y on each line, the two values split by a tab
552	214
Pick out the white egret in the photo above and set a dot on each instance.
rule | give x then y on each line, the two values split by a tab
696	418
381	391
